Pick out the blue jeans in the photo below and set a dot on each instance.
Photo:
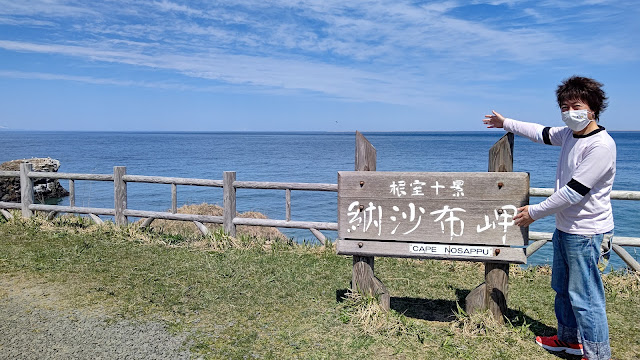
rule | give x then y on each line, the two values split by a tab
580	302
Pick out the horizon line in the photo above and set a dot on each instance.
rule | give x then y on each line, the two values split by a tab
5	129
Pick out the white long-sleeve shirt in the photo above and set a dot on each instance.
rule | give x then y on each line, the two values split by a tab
584	177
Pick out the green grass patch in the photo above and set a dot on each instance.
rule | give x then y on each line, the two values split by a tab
246	297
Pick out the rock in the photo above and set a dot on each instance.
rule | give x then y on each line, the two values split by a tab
43	188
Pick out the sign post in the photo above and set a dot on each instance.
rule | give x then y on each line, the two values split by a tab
363	278
492	294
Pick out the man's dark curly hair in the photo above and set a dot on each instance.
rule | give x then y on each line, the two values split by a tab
584	89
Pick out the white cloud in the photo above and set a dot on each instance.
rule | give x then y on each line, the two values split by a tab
233	69
24	21
165	5
55	8
358	50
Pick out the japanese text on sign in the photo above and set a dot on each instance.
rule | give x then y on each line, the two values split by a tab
405	218
416	188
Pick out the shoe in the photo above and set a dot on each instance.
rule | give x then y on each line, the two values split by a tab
552	343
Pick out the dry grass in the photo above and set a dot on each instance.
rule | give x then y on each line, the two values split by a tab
188	228
167	233
365	313
623	284
477	325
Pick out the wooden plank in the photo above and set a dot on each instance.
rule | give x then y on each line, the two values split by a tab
365	282
7	215
364	200
476	300
626	257
10	205
96	219
174	198
615	194
51	215
626	241
625	195
72	193
203	229
5	173
366	155
172	180
147	222
286	224
71	176
496	278
171	216
620	240
363	278
496	275
120	194
534	235
229	202
26	189
320	236
479	222
288	204
535	247
404	250
540	192
433	185
285	186
72	210
501	154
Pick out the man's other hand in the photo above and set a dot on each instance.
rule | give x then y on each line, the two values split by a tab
522	218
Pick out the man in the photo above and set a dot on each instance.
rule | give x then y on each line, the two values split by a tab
584	220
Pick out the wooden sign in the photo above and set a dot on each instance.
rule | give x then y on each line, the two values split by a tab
434	215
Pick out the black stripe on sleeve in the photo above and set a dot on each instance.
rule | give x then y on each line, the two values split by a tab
545	135
578	187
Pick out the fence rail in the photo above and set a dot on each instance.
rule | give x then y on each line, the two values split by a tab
615	194
229	220
172	180
72	209
285	186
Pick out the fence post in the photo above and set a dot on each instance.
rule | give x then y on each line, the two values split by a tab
229	202
363	277
174	198
72	193
492	294
120	194
26	189
288	205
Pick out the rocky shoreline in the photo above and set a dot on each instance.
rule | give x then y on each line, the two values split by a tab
43	188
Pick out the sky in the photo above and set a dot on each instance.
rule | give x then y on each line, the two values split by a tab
303	65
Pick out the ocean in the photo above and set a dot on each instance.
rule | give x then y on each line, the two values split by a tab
296	157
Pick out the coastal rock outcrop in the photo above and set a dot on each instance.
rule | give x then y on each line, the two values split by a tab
43	188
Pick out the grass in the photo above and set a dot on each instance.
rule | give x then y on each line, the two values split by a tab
249	297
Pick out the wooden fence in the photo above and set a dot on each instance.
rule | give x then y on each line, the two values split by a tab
229	220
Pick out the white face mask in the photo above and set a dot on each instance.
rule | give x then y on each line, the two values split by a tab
576	120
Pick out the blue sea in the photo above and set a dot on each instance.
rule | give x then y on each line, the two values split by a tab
296	157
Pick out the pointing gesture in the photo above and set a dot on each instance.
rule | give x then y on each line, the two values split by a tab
493	121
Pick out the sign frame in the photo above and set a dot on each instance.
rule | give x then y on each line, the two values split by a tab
484	192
